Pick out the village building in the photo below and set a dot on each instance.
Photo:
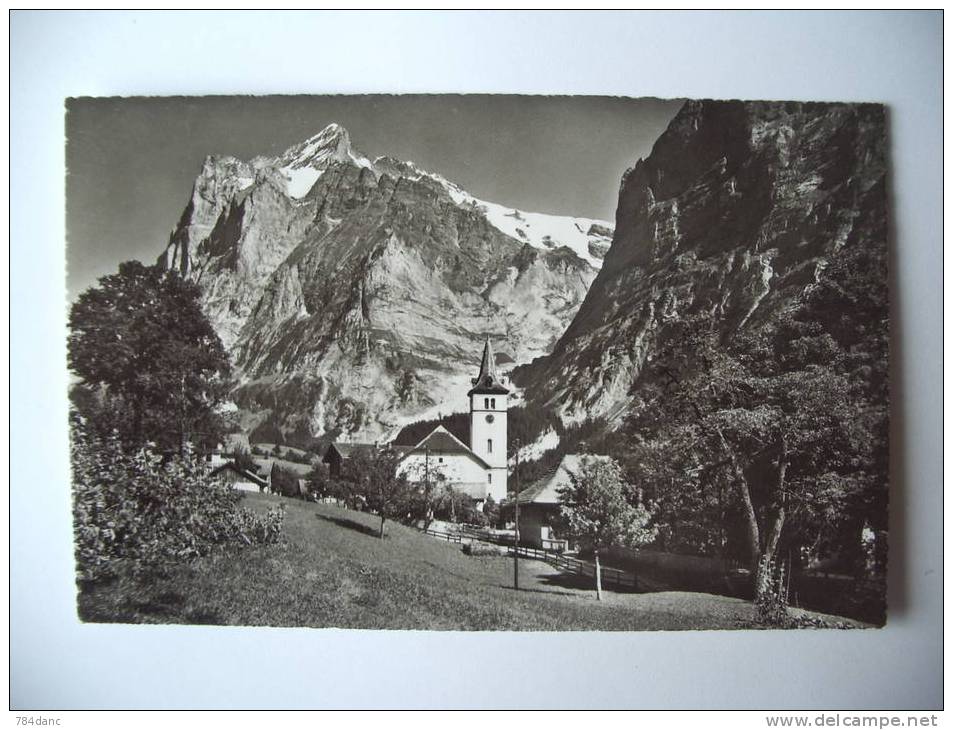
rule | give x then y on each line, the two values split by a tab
339	452
540	505
241	479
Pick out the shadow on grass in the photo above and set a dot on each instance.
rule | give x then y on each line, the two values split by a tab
523	589
352	525
586	583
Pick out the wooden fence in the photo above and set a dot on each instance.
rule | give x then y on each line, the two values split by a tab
581	567
561	562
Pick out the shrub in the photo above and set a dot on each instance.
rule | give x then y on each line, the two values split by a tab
142	511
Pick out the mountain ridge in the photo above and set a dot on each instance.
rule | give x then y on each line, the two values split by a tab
353	294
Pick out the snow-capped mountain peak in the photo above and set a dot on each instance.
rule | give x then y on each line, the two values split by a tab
588	238
355	293
303	164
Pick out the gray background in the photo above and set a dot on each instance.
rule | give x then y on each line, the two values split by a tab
894	58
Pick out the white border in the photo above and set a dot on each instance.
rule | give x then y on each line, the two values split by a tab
57	663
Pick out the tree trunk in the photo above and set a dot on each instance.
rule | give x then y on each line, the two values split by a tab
381	535
598	578
771	543
751	516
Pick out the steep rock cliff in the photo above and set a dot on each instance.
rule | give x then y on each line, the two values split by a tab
739	209
353	295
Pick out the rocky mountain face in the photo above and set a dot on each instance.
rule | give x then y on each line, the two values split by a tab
354	295
736	213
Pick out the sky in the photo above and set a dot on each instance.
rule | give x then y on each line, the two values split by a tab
131	161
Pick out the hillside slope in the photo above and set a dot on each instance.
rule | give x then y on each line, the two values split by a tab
333	571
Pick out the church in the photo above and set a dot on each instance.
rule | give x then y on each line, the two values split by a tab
478	468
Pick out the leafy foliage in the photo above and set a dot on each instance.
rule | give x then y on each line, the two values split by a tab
244	461
602	509
491	511
457	506
372	477
151	365
773	438
141	512
284	481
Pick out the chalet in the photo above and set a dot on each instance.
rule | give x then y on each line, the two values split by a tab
241	479
339	452
540	506
263	469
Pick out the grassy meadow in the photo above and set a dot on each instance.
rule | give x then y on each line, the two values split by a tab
331	570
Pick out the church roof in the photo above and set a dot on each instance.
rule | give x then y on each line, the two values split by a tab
441	441
488	381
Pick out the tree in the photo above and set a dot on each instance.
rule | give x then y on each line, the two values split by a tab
428	481
602	510
491	511
284	482
375	477
777	434
243	460
150	362
319	480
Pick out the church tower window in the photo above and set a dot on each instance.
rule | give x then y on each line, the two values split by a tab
489	446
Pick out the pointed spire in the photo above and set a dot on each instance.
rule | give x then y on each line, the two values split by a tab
488	363
488	380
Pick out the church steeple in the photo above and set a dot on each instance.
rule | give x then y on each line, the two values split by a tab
487	381
488	411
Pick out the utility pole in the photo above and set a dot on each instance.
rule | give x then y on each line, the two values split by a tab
516	530
427	490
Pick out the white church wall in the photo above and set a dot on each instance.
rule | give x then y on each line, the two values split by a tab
454	467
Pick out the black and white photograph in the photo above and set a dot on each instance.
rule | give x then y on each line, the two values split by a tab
478	362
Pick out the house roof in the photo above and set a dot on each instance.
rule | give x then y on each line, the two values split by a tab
488	381
345	449
264	467
546	489
230	466
441	441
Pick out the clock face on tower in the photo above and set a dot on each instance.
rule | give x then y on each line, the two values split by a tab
489	418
